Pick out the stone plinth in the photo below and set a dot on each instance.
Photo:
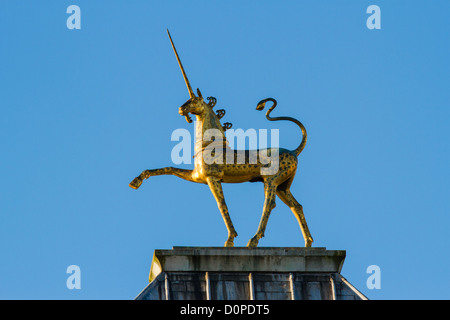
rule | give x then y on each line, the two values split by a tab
242	259
240	273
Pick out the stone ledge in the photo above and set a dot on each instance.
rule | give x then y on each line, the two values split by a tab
243	259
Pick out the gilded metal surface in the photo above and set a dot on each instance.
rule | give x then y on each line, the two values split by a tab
234	171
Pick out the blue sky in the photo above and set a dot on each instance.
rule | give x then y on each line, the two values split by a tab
85	111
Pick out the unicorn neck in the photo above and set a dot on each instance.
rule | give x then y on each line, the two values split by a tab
208	127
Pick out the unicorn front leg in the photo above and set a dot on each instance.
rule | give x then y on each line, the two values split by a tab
216	189
181	173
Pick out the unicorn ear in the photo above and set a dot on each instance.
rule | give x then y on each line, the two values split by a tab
199	93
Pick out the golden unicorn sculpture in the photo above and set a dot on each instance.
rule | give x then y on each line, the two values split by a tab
223	164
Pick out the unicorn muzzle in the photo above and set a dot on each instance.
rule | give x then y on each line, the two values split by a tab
182	111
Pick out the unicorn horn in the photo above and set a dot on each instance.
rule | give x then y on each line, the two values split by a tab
191	93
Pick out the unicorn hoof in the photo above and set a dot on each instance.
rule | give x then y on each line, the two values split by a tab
136	183
229	243
253	242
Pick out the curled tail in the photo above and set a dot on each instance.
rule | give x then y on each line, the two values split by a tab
261	106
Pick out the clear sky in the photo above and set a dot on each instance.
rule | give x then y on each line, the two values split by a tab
85	111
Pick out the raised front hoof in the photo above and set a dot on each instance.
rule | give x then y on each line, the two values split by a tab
136	183
253	242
